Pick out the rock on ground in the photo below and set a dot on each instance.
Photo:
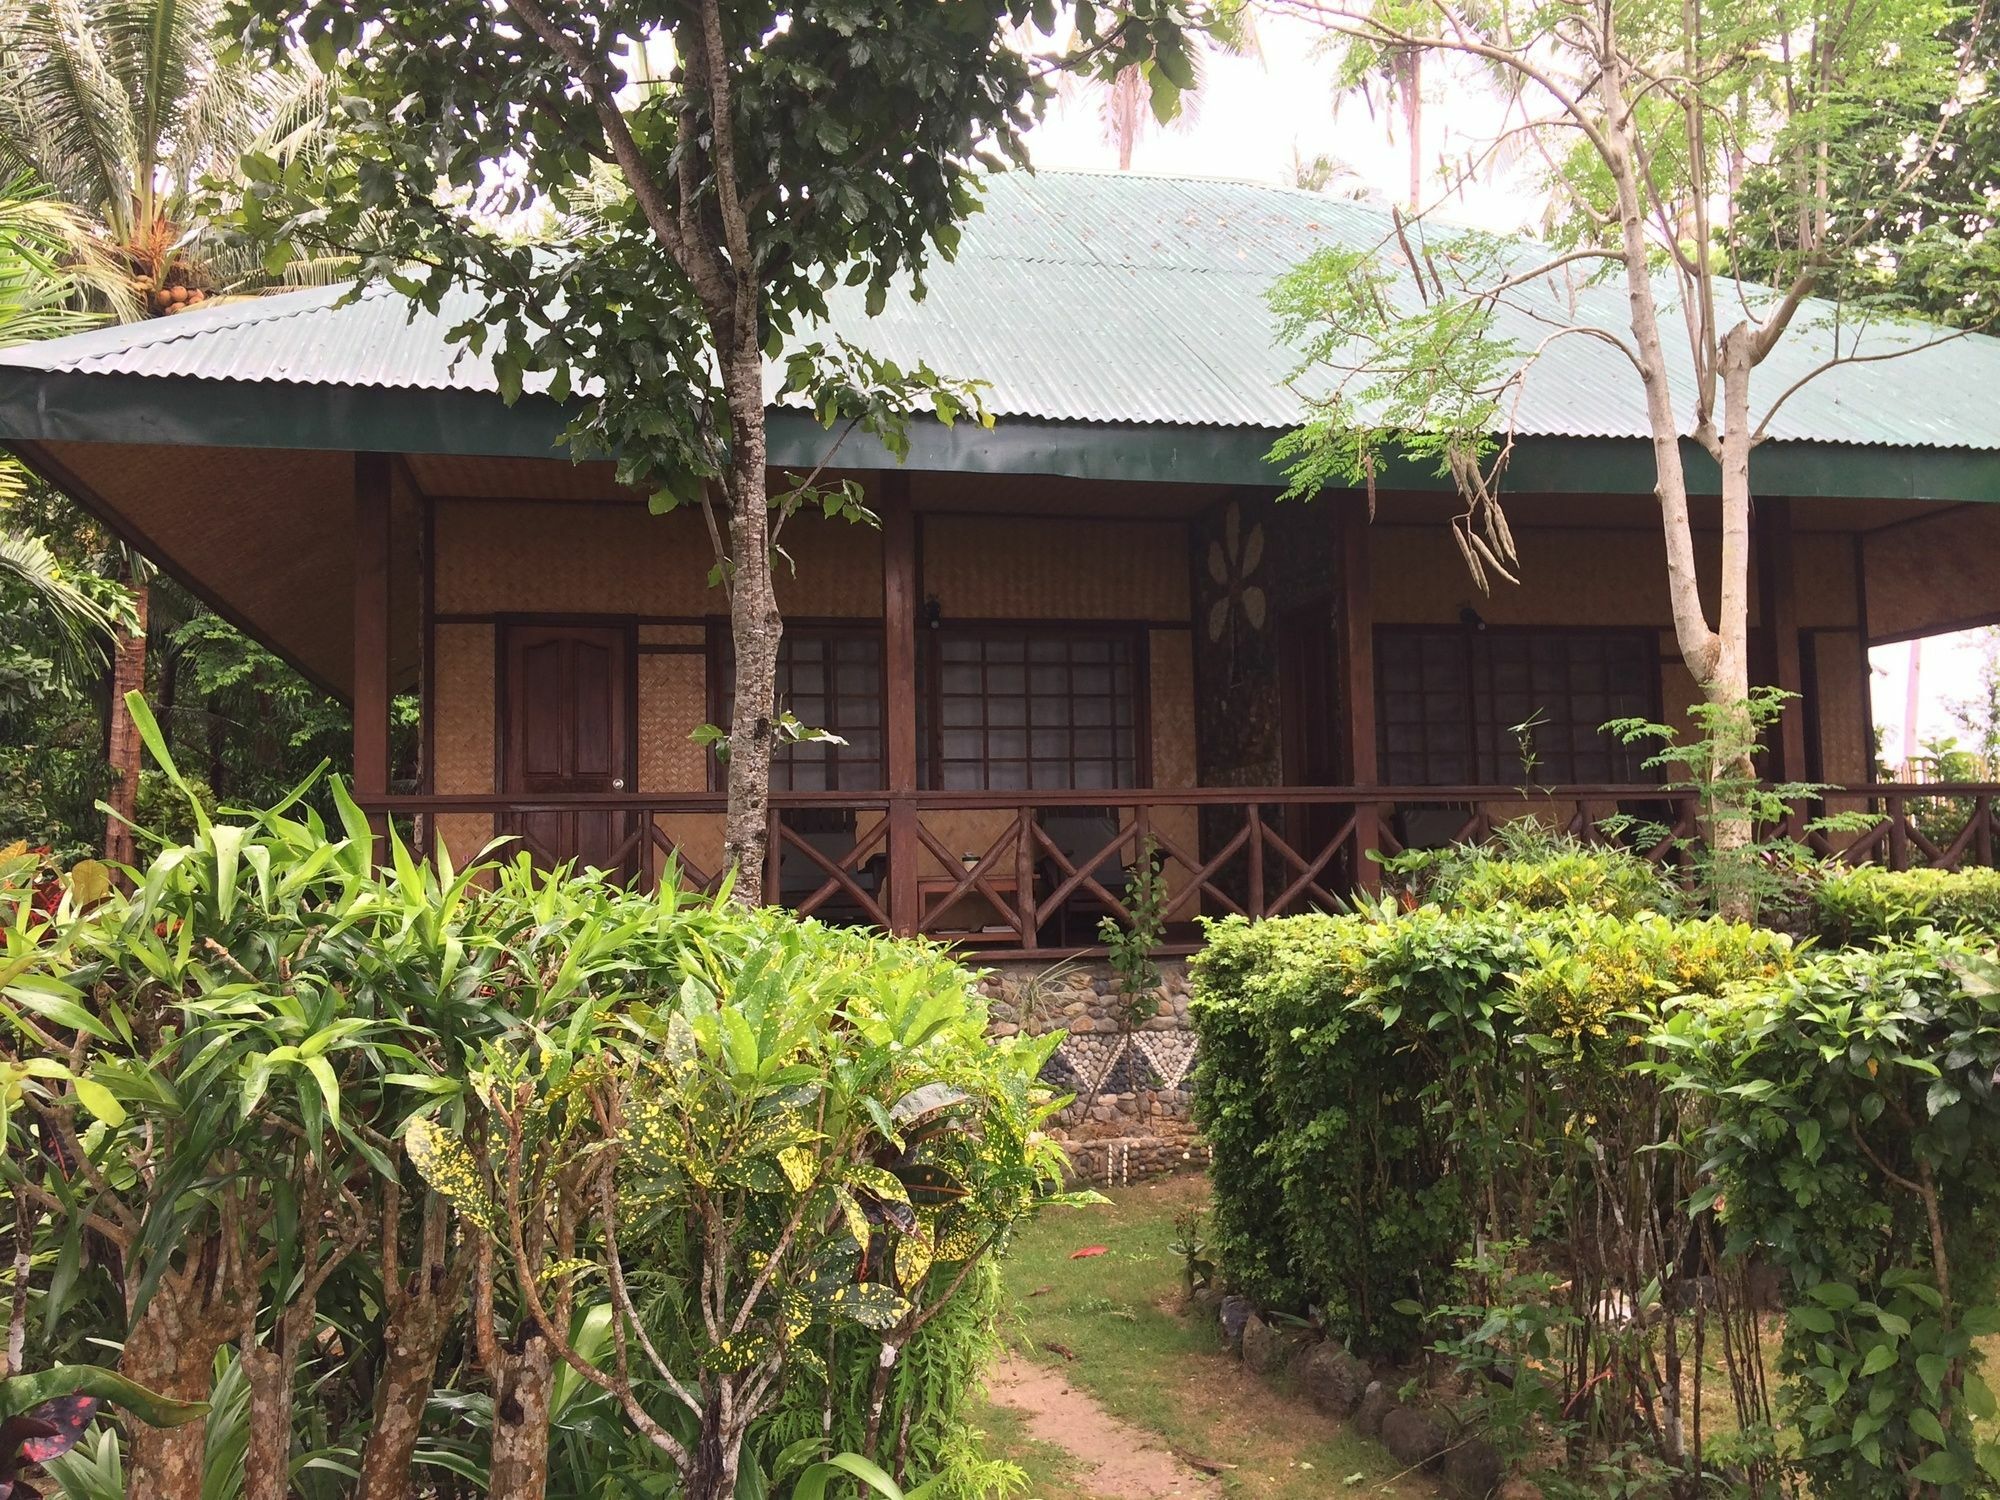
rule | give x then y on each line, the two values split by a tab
1376	1403
1234	1313
1267	1347
1472	1469
1413	1437
1334	1379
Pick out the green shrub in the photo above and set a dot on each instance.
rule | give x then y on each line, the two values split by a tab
1856	1141
1331	1175
1862	905
1396	1098
167	811
1526	865
749	1172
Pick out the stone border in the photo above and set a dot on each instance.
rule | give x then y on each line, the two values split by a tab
1427	1439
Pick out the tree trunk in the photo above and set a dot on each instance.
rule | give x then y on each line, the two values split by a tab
522	1385
421	1308
124	753
718	1453
1727	684
171	1349
754	623
267	1460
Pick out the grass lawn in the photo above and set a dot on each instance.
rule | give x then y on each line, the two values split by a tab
1144	1363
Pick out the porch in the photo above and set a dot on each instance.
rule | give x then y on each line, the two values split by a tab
1034	685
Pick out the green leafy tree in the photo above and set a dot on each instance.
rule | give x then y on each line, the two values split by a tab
1935	248
47	259
129	111
1670	126
56	618
714	170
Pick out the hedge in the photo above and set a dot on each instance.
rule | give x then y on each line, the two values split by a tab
1526	865
1549	1143
1861	905
1360	1075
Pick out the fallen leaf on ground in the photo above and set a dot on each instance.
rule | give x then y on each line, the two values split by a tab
1087	1251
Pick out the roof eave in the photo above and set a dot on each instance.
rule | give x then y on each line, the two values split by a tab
39	406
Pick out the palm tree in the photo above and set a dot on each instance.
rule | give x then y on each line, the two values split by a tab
1125	102
127	110
46	257
1398	73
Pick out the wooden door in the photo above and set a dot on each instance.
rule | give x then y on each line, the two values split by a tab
567	722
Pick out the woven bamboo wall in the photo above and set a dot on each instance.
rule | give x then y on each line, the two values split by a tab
273	537
554	557
1053	495
452	475
1011	568
673	635
1934	574
464	733
1170	689
465	709
1570	577
673	700
1825	586
1574	576
699	835
1840	676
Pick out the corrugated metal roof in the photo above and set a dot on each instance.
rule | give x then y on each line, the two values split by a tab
1120	298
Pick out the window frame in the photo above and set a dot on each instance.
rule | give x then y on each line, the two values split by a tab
721	683
1647	638
1133	635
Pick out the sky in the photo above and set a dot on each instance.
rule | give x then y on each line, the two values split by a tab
1261	113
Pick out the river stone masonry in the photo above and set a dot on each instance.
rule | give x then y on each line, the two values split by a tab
1131	1117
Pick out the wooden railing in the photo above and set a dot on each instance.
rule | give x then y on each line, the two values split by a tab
1031	874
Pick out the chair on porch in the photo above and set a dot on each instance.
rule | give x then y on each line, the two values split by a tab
1079	832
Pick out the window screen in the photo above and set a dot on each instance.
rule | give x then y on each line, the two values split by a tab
1447	702
830	677
1013	710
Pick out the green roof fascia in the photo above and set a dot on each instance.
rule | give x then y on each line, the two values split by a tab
67	406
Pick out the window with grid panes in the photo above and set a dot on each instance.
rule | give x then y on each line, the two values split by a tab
830	677
1014	710
1448	701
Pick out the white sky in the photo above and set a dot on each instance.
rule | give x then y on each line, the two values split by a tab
1261	113
1255	111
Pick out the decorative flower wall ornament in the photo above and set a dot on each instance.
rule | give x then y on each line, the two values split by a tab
1232	558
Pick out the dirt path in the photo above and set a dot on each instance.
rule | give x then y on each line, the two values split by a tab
1120	1461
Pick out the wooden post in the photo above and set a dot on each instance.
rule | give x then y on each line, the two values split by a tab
1778	612
1355	622
899	696
371	630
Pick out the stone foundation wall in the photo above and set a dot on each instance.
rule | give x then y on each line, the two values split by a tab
1131	1118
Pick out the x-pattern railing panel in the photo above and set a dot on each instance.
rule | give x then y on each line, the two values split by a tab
1254	851
842	874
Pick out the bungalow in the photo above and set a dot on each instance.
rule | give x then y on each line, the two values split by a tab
1089	627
